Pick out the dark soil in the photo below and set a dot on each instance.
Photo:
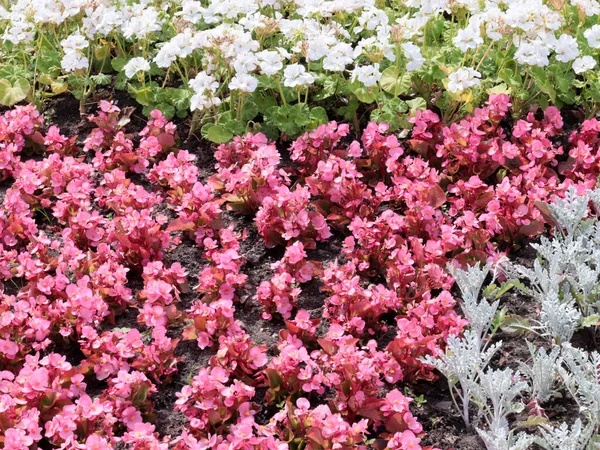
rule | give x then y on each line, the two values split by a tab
435	410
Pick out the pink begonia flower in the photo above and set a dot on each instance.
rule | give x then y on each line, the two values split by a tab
16	439
8	348
38	380
131	416
95	442
303	404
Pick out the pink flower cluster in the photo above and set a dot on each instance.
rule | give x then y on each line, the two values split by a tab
86	240
281	291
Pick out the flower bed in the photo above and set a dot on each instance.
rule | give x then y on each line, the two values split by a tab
90	233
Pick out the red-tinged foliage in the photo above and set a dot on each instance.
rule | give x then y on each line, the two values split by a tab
84	240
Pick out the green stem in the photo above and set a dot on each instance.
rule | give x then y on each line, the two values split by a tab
484	55
280	91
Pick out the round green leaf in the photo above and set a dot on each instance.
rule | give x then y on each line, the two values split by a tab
216	133
58	86
417	104
392	82
11	93
363	94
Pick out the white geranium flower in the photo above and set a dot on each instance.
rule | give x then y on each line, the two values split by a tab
191	11
179	46
413	53
243	82
74	61
533	53
270	61
590	7
19	32
204	83
296	75
143	23
338	57
462	79
566	48
205	86
593	36
583	64
74	42
245	63
467	38
136	65
367	75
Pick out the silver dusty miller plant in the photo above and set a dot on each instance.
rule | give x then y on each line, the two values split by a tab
466	357
580	372
564	277
501	388
479	313
563	437
564	280
504	439
492	392
542	371
462	364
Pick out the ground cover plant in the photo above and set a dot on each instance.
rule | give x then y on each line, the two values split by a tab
111	339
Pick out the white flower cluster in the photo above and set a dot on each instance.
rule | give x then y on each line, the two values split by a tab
236	41
136	65
74	58
205	87
462	79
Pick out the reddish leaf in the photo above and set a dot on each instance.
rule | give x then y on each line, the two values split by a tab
437	196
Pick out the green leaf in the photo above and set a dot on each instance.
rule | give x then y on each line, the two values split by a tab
547	88
512	79
394	83
14	72
263	101
11	93
290	119
328	87
348	111
417	104
59	86
267	82
228	121
395	106
44	79
499	319
363	94
121	81
533	421
437	27
48	62
118	63
250	110
101	79
216	133
166	109
143	96
318	116
391	119
493	292
179	98
516	325
590	321
539	74
501	88
268	130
